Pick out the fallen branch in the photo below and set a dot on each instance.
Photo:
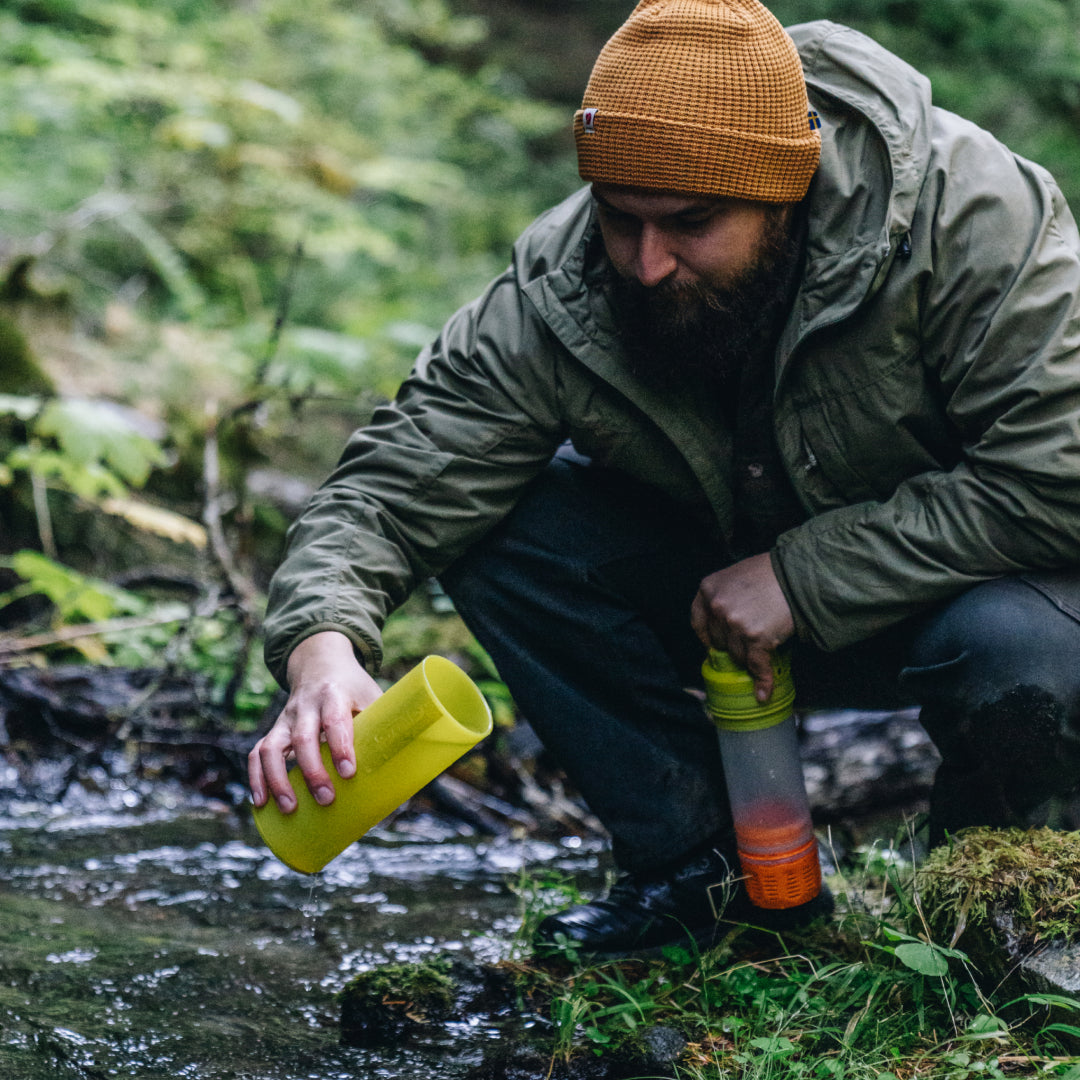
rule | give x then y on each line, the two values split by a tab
219	547
555	805
484	811
13	646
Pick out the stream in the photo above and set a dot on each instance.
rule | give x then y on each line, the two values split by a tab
146	932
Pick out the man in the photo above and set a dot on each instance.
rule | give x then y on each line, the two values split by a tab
813	364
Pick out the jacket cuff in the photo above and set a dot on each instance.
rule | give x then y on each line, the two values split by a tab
802	627
367	651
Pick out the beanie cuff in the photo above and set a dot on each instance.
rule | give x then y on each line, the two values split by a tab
665	155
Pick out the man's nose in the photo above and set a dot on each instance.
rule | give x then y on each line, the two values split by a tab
654	259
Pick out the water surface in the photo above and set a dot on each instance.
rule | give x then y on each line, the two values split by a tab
145	932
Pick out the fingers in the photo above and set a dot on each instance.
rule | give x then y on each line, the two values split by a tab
266	768
326	718
743	611
327	688
758	663
306	721
257	774
700	621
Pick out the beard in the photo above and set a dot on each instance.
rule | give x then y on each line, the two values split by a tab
704	334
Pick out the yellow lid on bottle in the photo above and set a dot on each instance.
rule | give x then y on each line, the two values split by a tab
729	693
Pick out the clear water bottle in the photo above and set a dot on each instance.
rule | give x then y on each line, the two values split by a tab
771	813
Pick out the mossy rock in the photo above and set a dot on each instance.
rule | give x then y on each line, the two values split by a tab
378	1005
1010	899
1033	874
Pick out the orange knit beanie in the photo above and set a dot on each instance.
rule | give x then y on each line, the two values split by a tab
703	97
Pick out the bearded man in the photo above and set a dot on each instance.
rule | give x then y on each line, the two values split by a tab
799	368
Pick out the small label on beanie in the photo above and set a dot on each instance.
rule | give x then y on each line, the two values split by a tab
815	120
588	119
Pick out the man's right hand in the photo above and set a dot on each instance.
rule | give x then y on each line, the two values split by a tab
327	687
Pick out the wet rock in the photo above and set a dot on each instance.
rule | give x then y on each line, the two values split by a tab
662	1045
87	701
414	1001
1055	968
379	1006
533	1063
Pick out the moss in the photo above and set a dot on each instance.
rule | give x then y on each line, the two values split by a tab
378	1005
1034	874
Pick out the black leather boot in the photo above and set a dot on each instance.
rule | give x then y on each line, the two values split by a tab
696	902
646	913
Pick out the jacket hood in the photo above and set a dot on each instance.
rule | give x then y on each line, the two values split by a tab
876	142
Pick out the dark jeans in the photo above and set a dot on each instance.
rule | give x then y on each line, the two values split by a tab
582	598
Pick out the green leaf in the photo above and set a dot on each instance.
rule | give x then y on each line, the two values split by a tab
1058	1000
77	598
774	1044
96	432
1065	1029
986	1026
923	958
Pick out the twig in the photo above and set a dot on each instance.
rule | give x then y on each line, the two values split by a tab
556	805
288	287
11	646
240	585
197	609
41	512
211	516
476	807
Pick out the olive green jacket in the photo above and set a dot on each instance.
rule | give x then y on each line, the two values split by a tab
927	403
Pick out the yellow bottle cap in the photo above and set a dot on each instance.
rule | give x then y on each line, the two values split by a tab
729	693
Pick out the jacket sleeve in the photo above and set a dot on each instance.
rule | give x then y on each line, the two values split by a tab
474	422
1000	335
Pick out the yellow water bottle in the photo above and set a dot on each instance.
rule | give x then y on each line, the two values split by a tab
403	740
769	807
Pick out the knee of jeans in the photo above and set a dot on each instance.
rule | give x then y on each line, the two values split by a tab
995	635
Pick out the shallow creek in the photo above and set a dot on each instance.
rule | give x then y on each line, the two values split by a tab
148	933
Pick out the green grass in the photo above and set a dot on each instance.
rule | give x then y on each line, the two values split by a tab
869	996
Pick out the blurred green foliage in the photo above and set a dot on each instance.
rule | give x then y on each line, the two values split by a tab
247	216
176	153
370	163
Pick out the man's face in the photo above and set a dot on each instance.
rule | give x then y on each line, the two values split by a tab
661	238
702	283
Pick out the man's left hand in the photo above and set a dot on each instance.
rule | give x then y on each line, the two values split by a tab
743	611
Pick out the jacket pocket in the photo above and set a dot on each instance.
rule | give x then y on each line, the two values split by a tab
872	430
